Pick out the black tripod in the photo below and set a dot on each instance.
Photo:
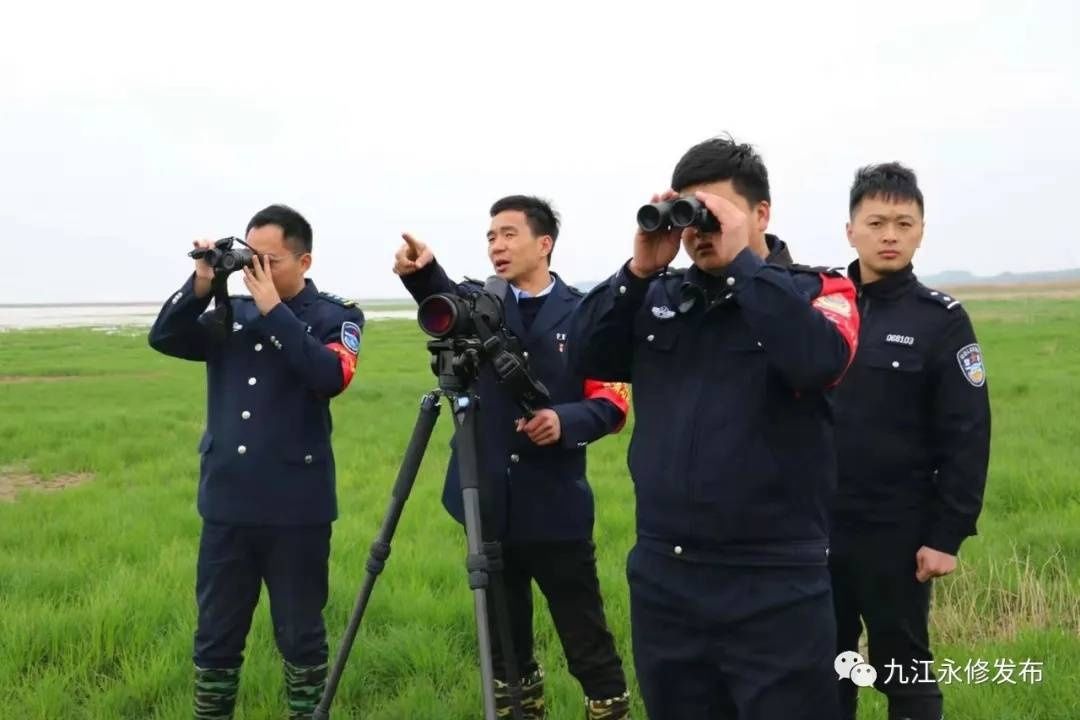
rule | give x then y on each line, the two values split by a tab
456	362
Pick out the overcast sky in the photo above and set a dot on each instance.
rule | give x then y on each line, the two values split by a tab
129	128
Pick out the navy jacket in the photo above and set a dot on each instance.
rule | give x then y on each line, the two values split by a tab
732	453
913	414
539	493
266	454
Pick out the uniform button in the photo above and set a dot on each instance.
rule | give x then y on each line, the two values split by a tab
525	355
947	298
650	338
252	381
759	343
678	549
934	293
514	458
242	449
730	281
246	414
896	363
273	339
307	459
622	289
258	347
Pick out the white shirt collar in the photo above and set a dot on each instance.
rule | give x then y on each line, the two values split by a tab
518	294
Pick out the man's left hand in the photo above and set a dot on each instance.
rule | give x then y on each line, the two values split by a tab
261	285
543	429
931	563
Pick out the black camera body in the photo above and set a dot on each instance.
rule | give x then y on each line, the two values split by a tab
681	213
223	257
469	331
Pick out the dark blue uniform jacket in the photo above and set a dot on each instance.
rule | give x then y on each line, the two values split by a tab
539	493
913	414
266	454
732	453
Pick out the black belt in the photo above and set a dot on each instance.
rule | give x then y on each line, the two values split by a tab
803	552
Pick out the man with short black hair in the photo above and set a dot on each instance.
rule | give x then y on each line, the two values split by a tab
535	469
731	457
913	440
267	481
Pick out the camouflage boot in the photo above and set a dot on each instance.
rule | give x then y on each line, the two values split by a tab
215	693
616	708
304	688
532	697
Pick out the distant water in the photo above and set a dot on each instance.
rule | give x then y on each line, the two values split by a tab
19	317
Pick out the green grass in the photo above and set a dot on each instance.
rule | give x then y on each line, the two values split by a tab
96	581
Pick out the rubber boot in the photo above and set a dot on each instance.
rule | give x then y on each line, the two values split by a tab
215	693
304	687
532	697
616	708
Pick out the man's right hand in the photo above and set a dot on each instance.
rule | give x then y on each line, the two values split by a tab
654	251
204	273
411	256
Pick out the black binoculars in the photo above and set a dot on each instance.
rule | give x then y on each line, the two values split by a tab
681	213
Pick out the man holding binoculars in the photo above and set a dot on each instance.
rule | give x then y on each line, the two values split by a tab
731	456
267	482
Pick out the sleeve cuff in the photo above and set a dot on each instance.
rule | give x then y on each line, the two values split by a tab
945	540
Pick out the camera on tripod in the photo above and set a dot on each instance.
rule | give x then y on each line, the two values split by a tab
223	257
470	330
681	213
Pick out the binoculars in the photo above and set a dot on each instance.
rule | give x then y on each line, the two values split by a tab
681	213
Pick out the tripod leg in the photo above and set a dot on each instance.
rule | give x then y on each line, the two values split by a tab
380	548
465	409
493	552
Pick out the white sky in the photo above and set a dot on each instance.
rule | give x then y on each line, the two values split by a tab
128	129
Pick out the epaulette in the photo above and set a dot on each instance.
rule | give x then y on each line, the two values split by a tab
818	270
944	299
337	299
472	281
576	292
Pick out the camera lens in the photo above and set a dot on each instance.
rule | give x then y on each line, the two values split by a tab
438	315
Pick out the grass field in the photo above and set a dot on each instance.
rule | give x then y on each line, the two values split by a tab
98	535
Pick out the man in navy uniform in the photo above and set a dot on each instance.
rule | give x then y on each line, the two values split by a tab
913	441
267	485
536	468
731	456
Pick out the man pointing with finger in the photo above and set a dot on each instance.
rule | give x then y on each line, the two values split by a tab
731	455
535	468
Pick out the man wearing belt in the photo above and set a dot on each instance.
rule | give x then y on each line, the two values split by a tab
535	469
731	455
267	483
913	437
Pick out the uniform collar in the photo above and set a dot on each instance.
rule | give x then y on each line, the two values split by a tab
304	297
890	286
697	280
519	293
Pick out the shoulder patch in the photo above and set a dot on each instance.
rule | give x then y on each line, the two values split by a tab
971	362
350	336
944	299
337	299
